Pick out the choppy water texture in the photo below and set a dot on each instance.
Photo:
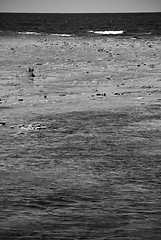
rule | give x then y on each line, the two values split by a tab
88	175
84	175
82	24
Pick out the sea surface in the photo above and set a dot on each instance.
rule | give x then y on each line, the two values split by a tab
87	175
82	24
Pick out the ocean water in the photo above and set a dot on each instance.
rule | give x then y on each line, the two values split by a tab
85	24
87	175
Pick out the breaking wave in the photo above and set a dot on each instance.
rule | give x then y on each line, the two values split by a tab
107	32
36	33
29	33
61	35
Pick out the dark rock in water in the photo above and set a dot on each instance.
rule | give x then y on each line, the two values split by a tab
95	90
100	50
2	123
63	94
100	94
135	37
20	99
116	93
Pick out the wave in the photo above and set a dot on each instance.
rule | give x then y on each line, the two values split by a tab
107	32
36	33
29	33
61	35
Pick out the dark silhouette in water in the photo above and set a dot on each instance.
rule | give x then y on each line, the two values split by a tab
30	71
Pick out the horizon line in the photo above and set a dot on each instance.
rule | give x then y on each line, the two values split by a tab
81	12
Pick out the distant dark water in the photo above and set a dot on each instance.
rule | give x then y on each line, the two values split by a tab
82	24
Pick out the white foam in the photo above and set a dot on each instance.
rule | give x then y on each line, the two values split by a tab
29	33
107	32
61	35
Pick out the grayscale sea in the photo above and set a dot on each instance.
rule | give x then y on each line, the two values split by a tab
90	175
